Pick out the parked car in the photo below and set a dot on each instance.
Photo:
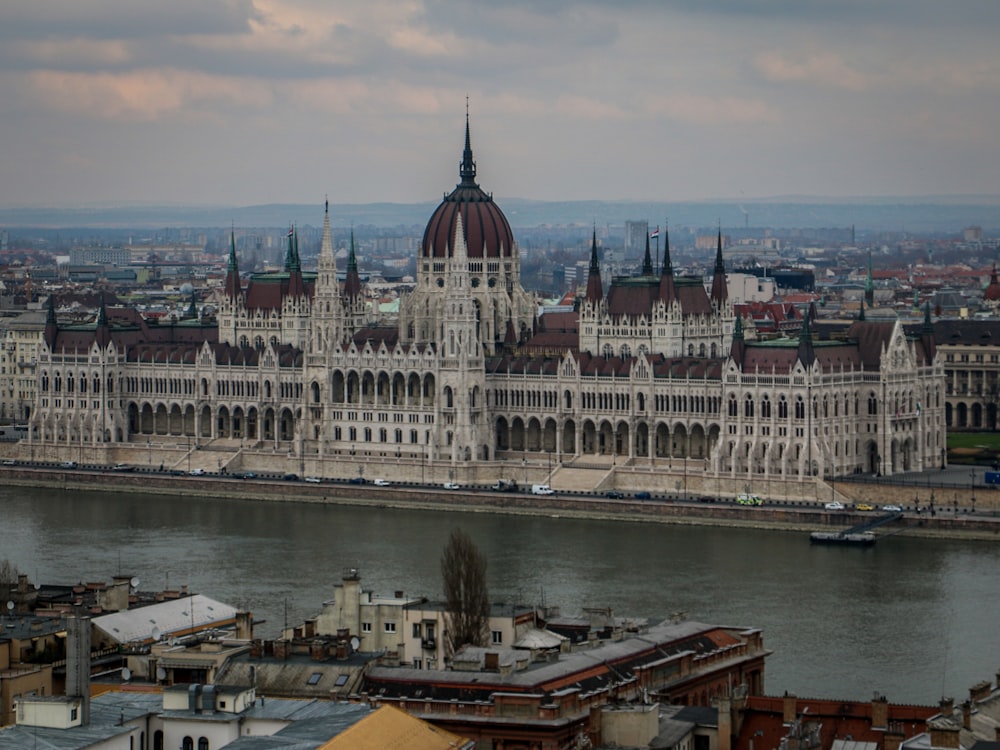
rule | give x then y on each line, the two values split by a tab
356	480
196	472
745	498
123	467
291	477
614	494
247	475
313	480
643	495
68	464
9	462
892	508
452	486
381	482
864	507
835	505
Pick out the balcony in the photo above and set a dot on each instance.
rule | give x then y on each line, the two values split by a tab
428	644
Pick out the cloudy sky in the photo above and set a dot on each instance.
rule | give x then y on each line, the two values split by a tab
241	102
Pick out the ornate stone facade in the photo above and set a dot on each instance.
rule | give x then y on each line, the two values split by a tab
655	376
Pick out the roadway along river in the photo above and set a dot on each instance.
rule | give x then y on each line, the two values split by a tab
914	619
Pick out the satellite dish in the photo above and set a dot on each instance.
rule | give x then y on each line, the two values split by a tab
126	674
161	673
37	586
155	634
172	641
355	643
10	606
134	583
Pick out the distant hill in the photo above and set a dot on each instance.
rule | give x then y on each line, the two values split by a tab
933	214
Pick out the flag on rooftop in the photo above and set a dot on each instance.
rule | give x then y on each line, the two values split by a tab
654	233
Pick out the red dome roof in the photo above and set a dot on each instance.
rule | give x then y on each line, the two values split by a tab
487	233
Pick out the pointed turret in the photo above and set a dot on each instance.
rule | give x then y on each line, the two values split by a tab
51	326
296	285
927	335
739	343
668	292
326	254
289	253
647	262
595	292
861	310
233	288
870	283
102	332
806	352
192	312
352	284
720	291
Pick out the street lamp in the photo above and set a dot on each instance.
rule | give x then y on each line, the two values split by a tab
524	467
972	480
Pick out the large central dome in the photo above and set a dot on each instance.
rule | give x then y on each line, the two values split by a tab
487	233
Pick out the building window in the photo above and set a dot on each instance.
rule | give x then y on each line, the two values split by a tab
418	664
497	637
390	627
366	627
417	630
314	678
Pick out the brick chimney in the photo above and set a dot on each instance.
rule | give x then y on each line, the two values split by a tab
967	714
281	649
725	726
880	712
788	712
946	706
244	626
944	734
980	691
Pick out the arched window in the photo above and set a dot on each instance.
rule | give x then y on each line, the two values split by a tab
187	744
203	743
782	408
158	739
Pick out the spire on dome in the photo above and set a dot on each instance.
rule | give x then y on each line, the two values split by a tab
647	262
720	293
595	292
467	170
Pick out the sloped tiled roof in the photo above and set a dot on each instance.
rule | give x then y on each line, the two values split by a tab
390	727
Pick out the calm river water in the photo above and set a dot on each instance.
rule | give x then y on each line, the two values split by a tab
912	619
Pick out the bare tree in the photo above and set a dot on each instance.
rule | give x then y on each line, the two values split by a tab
8	580
463	570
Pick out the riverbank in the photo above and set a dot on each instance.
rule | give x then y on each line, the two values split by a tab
780	515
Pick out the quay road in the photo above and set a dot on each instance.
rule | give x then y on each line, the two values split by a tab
946	508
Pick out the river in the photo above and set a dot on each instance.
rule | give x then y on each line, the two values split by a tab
913	619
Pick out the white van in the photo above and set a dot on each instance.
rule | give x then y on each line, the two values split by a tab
542	489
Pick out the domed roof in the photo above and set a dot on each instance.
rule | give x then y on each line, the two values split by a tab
487	233
992	293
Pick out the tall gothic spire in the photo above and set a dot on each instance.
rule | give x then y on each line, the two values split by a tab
720	292
647	262
595	292
467	170
806	352
668	292
233	271
352	284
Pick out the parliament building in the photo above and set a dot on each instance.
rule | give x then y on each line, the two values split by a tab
651	380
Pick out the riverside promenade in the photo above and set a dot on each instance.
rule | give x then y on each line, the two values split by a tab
929	510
